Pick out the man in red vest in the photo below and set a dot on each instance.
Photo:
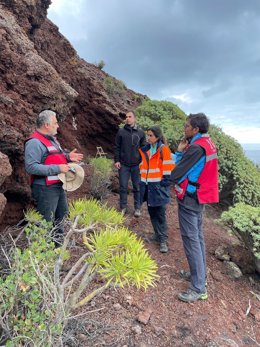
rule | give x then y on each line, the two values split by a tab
44	160
196	184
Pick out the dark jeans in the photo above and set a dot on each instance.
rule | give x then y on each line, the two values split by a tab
51	202
158	219
194	246
125	173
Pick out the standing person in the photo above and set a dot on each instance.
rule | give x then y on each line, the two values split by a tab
44	160
127	160
155	169
196	184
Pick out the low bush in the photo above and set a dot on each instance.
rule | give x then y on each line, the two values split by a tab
239	178
101	64
101	178
113	86
244	221
167	115
37	299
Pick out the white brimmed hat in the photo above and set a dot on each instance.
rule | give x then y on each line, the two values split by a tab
72	179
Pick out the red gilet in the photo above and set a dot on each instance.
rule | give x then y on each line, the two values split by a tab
207	184
55	156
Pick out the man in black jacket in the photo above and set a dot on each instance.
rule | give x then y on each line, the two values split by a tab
127	159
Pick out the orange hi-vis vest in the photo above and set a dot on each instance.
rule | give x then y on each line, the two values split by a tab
160	164
55	156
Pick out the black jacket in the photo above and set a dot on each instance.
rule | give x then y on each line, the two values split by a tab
128	140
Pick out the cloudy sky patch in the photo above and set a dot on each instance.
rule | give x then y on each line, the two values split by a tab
203	55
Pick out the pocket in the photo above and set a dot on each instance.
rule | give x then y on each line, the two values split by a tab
165	191
158	194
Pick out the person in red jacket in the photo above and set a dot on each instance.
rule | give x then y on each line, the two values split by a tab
196	184
44	160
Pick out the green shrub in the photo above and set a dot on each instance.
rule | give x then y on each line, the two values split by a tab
167	115
36	301
29	305
244	220
238	176
113	86
100	64
100	180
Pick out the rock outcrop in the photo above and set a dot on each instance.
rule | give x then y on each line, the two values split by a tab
39	69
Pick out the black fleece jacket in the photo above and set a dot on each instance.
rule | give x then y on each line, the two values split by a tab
128	141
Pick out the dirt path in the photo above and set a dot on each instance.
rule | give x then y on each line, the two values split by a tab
220	321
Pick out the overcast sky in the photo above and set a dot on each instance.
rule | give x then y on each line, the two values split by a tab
203	55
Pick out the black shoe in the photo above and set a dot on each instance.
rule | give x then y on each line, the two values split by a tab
163	247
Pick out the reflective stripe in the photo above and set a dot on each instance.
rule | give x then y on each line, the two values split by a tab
150	180
150	170
154	179
168	162
53	178
178	188
167	172
212	156
154	170
52	148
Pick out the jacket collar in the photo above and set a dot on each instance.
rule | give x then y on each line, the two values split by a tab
128	127
147	147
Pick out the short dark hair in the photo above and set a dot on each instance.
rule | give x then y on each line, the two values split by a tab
199	120
44	117
131	111
156	130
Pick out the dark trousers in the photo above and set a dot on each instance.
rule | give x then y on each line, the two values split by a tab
158	219
194	246
51	202
125	173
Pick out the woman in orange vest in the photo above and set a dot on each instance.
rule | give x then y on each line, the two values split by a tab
155	170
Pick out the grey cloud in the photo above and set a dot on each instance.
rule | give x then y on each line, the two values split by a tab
209	49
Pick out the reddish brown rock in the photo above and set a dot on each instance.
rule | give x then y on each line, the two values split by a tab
144	316
39	69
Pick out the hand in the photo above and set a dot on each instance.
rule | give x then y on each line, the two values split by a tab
74	156
182	145
64	168
165	182
118	165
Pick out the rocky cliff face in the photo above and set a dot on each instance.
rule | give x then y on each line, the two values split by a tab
40	69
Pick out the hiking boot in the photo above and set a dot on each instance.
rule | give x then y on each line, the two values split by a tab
186	275
137	213
192	296
163	247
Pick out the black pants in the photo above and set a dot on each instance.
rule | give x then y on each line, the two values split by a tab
158	219
125	173
51	202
